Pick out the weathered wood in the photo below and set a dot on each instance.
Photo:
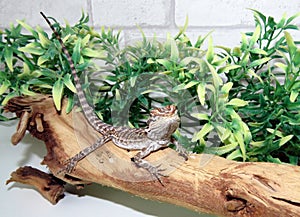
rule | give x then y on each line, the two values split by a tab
204	183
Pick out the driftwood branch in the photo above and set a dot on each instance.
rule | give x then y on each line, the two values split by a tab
204	183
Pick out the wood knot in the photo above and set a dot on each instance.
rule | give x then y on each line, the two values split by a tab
234	203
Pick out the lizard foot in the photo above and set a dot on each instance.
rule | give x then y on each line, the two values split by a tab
69	166
182	152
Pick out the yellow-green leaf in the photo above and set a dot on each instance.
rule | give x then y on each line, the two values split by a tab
85	40
42	60
285	139
217	81
201	93
239	137
45	42
5	85
294	95
26	26
257	143
276	132
226	87
203	132
251	72
8	97
93	53
259	62
210	51
32	48
255	36
25	91
57	93
191	84
68	82
201	116
290	42
237	102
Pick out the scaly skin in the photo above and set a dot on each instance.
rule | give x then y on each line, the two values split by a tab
162	123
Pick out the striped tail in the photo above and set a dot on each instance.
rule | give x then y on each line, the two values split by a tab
88	111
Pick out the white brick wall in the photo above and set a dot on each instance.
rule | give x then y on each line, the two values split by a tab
228	18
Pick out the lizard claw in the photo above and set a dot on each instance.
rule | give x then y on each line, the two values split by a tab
157	173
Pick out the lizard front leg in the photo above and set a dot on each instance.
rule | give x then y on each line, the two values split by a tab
140	162
72	162
180	149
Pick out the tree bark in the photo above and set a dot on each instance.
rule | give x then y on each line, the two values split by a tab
204	183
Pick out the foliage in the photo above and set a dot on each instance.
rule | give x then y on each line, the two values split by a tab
246	98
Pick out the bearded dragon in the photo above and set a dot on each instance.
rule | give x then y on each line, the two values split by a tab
162	123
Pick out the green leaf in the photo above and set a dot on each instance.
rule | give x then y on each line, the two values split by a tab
45	42
259	16
222	150
237	52
251	72
8	56
259	62
57	93
29	28
290	42
25	91
245	43
32	48
70	104
245	59
228	68
281	22
227	133
292	18
203	132
234	155
239	137
68	82
217	81
76	51
166	63
174	51
210	51
255	36
297	58
85	40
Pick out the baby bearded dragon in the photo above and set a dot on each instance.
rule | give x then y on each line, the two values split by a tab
162	123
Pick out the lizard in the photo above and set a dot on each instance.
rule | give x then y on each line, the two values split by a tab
161	124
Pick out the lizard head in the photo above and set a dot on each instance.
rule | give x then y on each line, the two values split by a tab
163	122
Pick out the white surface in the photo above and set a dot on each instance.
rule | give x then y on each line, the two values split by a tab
95	200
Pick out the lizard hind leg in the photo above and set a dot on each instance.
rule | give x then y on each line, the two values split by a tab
72	162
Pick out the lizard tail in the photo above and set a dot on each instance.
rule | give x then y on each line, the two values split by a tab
88	111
